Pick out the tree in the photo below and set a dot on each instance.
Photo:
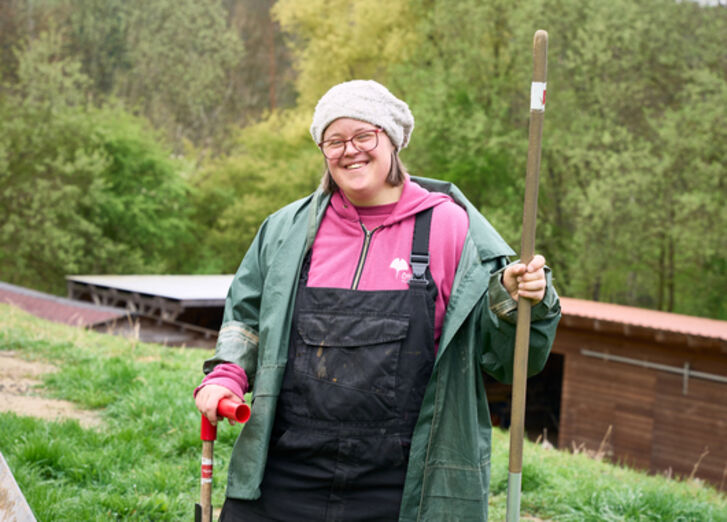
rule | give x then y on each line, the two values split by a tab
616	217
270	165
85	190
466	84
338	40
264	75
180	55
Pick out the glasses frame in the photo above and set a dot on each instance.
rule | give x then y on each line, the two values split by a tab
375	130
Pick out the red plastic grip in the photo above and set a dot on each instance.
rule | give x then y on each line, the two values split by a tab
230	409
237	411
208	431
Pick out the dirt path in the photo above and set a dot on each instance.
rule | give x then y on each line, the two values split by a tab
20	393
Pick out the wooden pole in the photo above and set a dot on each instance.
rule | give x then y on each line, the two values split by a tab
203	510
527	251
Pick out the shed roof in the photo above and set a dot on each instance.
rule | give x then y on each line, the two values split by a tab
631	318
56	308
191	290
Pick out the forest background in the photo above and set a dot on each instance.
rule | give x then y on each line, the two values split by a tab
154	137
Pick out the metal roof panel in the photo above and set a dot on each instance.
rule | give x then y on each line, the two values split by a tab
58	309
652	319
180	287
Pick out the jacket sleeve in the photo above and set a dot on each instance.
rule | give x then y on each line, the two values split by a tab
237	341
498	320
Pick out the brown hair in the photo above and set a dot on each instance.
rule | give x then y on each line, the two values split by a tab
395	177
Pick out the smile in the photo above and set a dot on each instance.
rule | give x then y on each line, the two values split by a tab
355	166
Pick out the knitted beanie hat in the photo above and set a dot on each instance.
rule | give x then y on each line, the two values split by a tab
368	101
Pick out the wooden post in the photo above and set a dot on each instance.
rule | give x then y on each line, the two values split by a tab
205	494
527	251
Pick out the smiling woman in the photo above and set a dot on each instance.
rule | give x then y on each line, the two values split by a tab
351	311
360	170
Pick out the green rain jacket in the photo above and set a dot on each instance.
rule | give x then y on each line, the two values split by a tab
449	467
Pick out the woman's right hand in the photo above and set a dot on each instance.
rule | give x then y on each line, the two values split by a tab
209	396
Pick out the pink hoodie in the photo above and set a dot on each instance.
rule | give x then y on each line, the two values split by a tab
339	243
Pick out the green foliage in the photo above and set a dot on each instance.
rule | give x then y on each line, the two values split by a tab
271	164
97	36
628	203
264	77
84	189
180	54
464	83
142	463
339	40
632	174
620	174
629	208
691	181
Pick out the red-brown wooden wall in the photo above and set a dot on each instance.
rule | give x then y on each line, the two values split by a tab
654	425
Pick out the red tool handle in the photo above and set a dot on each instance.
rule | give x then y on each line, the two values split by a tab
228	408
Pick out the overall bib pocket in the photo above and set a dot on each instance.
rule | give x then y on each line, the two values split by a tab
354	359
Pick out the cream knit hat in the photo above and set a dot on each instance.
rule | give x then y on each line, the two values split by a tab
368	101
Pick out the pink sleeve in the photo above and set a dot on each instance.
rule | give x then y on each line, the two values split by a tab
229	375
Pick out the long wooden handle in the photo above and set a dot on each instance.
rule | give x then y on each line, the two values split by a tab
205	497
527	250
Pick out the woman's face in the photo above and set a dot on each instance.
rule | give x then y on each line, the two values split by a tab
362	175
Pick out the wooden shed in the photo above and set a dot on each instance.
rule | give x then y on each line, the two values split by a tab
648	387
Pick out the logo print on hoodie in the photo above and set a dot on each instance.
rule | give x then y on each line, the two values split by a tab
400	266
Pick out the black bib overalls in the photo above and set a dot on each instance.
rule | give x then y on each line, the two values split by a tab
358	364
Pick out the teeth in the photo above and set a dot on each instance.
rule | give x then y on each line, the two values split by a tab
354	165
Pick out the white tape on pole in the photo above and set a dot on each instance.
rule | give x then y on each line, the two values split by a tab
537	96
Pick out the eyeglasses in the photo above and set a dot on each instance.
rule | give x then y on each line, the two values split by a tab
362	142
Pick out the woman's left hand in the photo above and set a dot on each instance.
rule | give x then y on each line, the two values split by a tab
527	281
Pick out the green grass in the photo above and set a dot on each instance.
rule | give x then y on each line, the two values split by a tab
566	487
143	462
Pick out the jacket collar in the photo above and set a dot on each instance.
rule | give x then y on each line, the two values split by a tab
488	241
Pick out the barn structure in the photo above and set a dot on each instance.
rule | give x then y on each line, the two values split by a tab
59	309
107	318
189	299
176	309
647	388
644	388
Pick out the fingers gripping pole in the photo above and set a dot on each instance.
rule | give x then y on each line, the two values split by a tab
527	250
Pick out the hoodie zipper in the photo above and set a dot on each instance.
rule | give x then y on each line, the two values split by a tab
364	253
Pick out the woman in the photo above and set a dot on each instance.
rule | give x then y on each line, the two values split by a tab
361	318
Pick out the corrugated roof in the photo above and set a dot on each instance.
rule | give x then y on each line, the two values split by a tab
56	308
179	287
640	317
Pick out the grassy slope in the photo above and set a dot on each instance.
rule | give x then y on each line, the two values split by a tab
144	463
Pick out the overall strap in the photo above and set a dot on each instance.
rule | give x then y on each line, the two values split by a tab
419	259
